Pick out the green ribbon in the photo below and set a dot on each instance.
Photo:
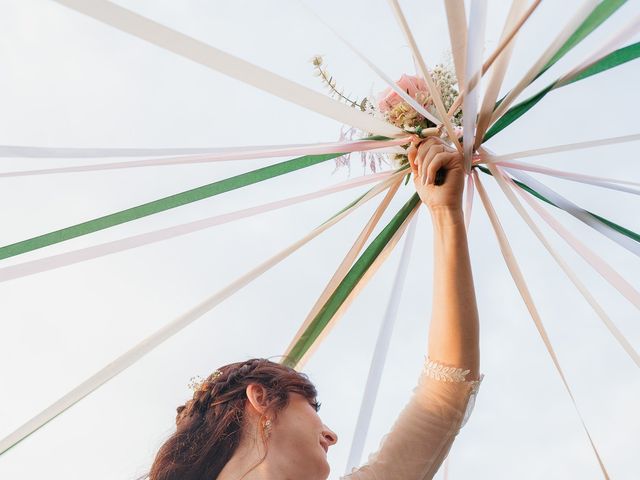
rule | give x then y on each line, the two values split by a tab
597	16
618	57
346	286
162	204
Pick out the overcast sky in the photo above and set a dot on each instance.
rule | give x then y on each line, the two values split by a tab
68	80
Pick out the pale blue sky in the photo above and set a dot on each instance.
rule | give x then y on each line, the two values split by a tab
70	81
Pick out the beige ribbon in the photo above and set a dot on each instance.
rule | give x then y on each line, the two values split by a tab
498	72
457	22
211	57
518	278
580	15
504	43
377	263
134	354
502	182
434	91
347	262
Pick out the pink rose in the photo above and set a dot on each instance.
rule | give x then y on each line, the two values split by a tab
410	84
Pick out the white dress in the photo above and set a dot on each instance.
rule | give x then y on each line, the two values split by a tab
422	436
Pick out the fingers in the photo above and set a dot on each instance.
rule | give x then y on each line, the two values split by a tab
422	156
428	158
439	161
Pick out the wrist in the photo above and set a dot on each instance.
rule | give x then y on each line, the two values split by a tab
446	216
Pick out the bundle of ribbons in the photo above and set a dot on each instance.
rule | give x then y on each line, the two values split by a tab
482	118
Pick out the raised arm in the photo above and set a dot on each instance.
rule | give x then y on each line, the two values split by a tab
453	333
422	436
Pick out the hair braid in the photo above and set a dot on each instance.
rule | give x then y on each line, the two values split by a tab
209	426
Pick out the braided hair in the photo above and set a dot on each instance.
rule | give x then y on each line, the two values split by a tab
209	426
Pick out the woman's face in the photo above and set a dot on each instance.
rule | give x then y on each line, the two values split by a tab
300	440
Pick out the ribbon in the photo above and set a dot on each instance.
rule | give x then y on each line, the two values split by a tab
163	204
544	61
134	354
69	258
457	23
518	278
477	23
380	354
502	179
592	258
345	265
227	64
567	147
357	277
610	183
579	213
234	153
434	91
499	69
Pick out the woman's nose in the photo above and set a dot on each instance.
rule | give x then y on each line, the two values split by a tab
330	436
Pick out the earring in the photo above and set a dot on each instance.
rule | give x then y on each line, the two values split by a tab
267	428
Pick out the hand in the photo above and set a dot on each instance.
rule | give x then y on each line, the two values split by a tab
426	159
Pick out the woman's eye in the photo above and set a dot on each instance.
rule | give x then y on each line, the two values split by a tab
316	405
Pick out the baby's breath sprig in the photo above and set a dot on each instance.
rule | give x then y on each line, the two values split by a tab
330	82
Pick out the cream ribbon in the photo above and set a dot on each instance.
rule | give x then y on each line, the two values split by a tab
378	262
581	14
610	183
616	280
134	354
211	57
502	182
622	35
468	204
346	264
518	278
457	23
434	91
498	71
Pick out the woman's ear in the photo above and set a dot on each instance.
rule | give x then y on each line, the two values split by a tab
257	396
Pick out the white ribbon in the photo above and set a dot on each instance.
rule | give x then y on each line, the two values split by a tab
234	153
607	272
14	151
576	211
477	23
380	354
584	291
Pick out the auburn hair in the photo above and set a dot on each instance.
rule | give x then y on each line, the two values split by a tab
209	427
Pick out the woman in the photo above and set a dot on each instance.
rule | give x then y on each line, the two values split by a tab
258	420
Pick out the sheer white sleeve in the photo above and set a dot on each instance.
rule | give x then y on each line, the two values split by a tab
422	436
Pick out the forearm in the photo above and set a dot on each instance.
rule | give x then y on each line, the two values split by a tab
454	330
